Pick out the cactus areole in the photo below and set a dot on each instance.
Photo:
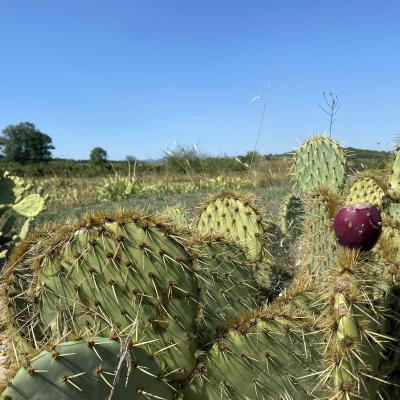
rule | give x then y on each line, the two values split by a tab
358	226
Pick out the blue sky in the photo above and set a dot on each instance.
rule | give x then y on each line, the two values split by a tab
137	77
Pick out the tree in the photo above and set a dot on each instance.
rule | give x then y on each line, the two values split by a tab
98	156
24	143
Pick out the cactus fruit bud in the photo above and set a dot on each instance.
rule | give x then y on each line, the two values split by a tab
358	226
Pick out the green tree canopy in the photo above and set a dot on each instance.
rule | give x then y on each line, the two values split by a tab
98	156
24	143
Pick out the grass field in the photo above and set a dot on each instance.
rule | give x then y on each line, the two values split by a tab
269	198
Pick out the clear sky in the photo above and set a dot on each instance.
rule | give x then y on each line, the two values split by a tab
136	77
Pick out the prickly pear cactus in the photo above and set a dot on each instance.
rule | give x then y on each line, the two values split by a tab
394	177
237	217
89	369
292	212
16	203
318	242
110	274
226	282
319	162
355	322
365	189
270	354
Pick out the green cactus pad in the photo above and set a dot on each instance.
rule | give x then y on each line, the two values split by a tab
226	281
30	206
270	354
87	370
114	273
12	189
320	162
235	216
365	189
276	269
16	203
394	177
292	212
318	241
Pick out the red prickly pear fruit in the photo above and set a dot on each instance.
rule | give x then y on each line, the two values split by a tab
358	226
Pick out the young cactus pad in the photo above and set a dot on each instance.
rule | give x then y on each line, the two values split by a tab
365	189
320	162
237	217
118	273
86	370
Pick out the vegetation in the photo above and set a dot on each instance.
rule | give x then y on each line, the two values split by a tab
98	156
230	304
25	144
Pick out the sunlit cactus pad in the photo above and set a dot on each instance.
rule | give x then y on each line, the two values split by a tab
87	369
365	189
270	354
237	217
117	273
320	162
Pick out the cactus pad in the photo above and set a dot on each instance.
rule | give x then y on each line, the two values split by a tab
265	355
365	189
113	274
394	178
226	281
237	217
87	370
318	242
320	162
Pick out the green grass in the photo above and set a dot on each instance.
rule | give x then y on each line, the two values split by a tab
269	198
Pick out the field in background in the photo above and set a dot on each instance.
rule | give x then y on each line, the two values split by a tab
185	181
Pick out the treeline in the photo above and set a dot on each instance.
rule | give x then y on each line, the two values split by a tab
85	168
26	151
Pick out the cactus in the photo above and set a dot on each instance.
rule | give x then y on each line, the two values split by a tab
226	282
16	202
320	162
292	212
268	354
318	242
358	345
95	368
110	274
236	217
365	189
394	177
